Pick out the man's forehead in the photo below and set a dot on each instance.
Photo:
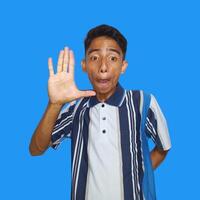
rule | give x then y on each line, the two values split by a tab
105	42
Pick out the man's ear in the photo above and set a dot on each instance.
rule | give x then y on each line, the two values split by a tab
124	66
83	64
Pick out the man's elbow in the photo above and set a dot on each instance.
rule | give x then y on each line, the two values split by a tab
34	151
164	152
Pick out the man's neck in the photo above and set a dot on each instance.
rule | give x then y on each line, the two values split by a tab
103	97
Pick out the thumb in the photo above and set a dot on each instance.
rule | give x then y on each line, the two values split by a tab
87	93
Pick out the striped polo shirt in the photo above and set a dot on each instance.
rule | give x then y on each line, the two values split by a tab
109	145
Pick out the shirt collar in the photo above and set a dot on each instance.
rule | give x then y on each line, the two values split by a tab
115	99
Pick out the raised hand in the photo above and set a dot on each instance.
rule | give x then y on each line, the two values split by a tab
61	86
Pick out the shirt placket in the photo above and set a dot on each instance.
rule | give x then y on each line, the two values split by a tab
103	119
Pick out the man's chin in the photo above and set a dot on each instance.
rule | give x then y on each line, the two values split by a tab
104	90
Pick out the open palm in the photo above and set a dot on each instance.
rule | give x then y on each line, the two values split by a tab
61	86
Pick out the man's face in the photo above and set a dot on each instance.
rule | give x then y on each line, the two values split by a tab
104	63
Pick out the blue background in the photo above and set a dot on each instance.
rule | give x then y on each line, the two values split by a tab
164	59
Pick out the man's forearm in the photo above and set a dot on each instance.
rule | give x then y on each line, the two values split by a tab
157	156
42	136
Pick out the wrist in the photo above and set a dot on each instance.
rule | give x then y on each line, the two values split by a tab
55	105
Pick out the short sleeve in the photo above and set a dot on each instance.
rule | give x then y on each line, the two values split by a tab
63	125
156	126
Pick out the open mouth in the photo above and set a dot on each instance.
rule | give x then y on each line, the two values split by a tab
103	82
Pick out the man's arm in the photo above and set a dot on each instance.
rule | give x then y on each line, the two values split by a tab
61	89
157	157
42	136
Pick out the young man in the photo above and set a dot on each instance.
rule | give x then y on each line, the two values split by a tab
109	127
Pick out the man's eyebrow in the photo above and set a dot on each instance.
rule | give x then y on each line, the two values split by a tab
115	50
92	50
110	49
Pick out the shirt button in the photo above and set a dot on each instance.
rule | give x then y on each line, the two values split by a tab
104	118
102	105
104	131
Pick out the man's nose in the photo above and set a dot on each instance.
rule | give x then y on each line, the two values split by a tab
103	67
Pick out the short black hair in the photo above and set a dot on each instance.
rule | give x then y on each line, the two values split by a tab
107	31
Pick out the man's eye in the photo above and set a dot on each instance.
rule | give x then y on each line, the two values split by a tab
93	58
113	58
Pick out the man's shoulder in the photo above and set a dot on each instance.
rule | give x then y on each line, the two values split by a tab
75	105
138	95
81	103
134	91
138	92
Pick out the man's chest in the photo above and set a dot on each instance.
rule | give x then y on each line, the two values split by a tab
104	127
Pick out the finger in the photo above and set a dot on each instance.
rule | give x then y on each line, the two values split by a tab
66	59
71	62
50	65
87	93
60	61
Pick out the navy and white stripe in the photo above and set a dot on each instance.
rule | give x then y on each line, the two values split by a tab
156	126
138	180
63	125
